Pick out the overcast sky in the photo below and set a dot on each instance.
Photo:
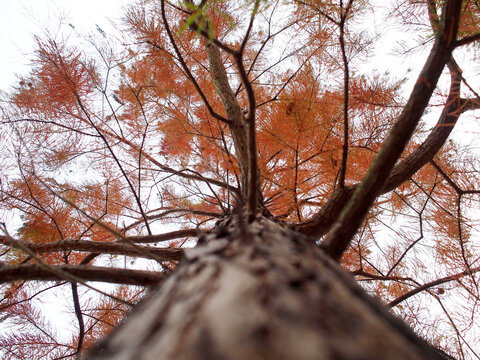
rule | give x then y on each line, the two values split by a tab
20	20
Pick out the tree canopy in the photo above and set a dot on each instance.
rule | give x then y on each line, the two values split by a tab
120	150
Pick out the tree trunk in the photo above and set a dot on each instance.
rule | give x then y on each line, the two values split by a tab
260	291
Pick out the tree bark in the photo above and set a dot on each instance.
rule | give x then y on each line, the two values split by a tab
260	291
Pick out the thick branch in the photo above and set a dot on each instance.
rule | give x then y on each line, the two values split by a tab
253	189
243	132
435	140
253	179
322	221
370	276
470	104
9	273
468	40
355	211
98	247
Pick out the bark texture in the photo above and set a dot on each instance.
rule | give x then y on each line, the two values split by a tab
260	291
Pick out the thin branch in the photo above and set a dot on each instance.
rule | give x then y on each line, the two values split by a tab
78	313
108	228
250	25
144	136
149	239
455	327
184	173
194	27
168	211
432	284
321	12
27	299
462	240
39	204
290	78
352	216
346	83
186	68
49	270
420	237
117	161
455	187
264	44
213	191
50	122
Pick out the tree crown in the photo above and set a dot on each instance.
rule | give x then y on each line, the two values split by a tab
198	109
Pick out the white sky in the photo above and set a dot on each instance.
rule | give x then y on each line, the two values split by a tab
20	20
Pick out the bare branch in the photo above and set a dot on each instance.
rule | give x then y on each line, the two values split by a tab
9	273
432	284
420	237
99	247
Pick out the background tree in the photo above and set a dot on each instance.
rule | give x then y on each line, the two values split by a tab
260	130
